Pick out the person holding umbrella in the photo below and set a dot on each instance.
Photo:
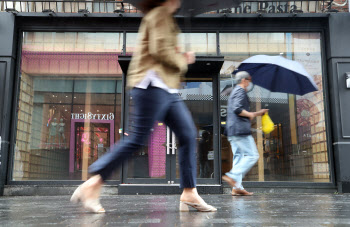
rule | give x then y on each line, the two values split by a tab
153	77
238	124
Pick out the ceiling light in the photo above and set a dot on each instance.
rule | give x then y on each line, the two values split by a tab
11	10
50	11
84	12
121	10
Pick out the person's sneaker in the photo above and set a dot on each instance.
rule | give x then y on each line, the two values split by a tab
241	192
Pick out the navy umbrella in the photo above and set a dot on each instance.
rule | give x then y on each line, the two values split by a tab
278	74
195	7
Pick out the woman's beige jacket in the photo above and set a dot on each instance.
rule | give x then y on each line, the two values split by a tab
157	50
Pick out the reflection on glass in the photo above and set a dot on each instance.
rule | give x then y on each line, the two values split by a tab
198	97
297	149
69	103
150	160
200	43
131	41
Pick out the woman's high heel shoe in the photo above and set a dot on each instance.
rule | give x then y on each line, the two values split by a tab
203	207
92	205
76	197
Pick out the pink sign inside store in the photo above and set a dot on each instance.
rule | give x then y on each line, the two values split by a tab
85	138
156	151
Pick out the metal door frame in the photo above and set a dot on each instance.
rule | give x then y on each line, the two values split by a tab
171	153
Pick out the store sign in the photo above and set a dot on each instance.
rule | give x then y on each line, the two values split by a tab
91	116
269	7
223	111
211	155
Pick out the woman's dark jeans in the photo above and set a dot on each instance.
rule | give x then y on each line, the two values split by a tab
153	104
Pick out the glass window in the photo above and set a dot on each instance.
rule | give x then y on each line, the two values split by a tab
297	149
69	106
131	42
200	43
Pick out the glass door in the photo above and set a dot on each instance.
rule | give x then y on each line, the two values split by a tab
150	165
157	161
197	93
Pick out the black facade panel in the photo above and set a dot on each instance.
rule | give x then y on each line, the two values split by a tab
3	161
339	29
342	157
6	80
7	43
344	97
7	62
338	55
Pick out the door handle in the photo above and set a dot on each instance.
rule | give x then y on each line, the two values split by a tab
167	140
173	148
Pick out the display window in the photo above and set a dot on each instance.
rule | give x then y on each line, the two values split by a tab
69	106
297	148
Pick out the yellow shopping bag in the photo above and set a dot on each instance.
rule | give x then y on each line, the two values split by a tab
267	124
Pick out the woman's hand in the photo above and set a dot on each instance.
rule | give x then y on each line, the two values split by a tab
190	57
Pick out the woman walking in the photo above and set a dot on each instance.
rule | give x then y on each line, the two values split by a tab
153	77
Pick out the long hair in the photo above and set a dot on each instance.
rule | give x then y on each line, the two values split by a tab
148	5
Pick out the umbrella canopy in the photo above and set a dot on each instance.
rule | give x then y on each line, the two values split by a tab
195	7
278	74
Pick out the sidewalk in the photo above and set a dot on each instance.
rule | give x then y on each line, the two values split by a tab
154	210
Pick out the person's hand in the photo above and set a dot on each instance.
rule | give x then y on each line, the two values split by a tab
262	111
190	57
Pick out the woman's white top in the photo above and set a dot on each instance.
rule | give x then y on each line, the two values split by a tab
153	79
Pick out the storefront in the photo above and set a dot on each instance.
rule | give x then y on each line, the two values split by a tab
64	76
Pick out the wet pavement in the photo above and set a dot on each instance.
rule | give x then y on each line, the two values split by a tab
155	210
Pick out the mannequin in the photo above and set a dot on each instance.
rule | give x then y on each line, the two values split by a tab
52	133
61	133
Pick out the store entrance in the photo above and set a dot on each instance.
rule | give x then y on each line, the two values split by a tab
91	140
157	162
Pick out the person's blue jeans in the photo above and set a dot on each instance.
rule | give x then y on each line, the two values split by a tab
150	105
245	155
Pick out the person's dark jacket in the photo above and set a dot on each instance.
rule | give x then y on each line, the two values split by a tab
237	125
